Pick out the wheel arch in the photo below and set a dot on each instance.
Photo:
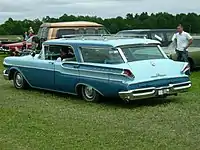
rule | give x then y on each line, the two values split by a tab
12	72
79	85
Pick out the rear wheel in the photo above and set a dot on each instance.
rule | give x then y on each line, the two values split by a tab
89	94
19	81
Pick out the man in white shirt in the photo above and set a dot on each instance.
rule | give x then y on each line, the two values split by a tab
183	40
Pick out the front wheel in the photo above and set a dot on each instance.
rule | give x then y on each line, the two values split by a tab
89	94
19	81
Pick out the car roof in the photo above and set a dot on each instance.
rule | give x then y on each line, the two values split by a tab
147	30
103	42
72	24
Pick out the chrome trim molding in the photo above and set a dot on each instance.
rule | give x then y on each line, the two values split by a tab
153	92
5	75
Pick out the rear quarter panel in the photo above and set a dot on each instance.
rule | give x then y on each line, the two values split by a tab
104	78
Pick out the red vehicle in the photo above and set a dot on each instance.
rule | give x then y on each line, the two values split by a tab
17	46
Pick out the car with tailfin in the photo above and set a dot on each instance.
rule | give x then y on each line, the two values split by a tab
100	66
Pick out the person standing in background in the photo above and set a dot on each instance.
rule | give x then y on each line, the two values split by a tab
183	40
25	36
31	32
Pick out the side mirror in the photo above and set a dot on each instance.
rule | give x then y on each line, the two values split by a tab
33	54
158	38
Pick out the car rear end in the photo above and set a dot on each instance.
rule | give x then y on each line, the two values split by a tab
153	74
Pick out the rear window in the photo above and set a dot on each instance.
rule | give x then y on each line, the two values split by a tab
139	53
101	55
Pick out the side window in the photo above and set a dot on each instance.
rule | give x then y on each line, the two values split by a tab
62	32
43	32
60	52
91	31
40	33
101	55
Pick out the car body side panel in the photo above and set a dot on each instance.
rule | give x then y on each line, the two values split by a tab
193	53
66	77
99	78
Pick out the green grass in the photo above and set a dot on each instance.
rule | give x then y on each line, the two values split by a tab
11	37
32	119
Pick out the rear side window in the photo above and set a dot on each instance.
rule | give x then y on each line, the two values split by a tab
101	55
62	32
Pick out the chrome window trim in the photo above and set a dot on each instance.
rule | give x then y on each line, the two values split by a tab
122	54
162	52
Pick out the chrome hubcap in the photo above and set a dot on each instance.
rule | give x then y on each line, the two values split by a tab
89	92
19	80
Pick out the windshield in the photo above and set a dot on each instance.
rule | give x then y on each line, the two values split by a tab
138	53
196	43
101	55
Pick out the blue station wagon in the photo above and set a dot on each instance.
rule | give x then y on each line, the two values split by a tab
92	67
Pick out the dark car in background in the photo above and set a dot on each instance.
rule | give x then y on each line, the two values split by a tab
165	35
193	53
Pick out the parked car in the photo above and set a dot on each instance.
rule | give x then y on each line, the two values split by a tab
165	35
193	53
131	69
49	31
12	47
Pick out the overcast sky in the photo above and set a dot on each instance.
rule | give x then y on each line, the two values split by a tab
31	9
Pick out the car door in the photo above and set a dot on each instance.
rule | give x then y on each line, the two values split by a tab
67	73
40	73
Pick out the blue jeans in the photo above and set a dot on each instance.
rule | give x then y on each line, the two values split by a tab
182	55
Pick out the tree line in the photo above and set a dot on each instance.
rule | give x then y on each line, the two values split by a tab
190	21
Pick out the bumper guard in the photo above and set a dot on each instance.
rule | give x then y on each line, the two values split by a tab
153	92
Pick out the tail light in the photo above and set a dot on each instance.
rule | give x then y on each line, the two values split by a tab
128	73
185	68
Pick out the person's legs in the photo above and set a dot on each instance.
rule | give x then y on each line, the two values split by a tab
185	56
179	55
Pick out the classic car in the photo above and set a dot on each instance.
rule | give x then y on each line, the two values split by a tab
165	35
193	53
12	46
49	31
93	67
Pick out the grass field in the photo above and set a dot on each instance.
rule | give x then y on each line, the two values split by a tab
10	37
32	119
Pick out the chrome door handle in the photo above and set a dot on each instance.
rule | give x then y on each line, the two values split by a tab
51	63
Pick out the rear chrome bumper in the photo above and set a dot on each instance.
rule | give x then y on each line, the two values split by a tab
5	75
152	92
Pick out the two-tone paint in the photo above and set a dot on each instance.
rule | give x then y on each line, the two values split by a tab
107	79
